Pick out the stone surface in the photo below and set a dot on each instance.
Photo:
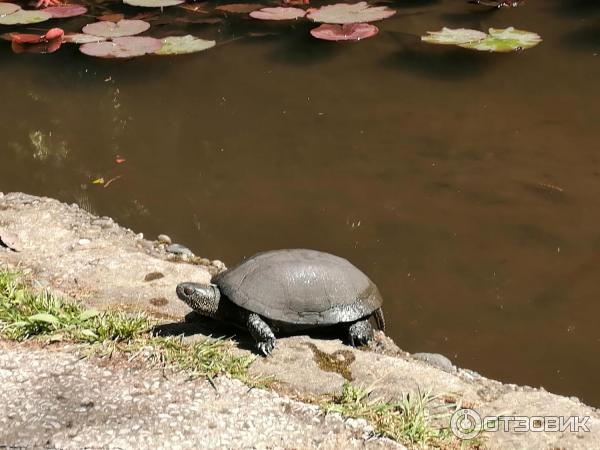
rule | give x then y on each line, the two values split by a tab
54	399
112	271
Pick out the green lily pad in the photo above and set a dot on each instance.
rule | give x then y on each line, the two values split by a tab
23	17
180	45
345	13
8	8
153	3
82	38
505	40
456	36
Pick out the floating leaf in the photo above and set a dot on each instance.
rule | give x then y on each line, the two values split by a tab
505	40
278	13
449	36
153	3
63	11
23	17
344	13
101	179
44	317
122	47
8	8
121	28
180	45
242	8
296	2
33	43
348	32
112	17
82	38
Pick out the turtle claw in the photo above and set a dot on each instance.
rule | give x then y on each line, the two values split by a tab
266	347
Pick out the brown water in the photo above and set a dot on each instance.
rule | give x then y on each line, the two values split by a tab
466	185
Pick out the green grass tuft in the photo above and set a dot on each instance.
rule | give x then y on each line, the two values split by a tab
26	315
408	421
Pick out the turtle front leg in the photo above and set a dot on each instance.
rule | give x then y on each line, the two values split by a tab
262	334
360	333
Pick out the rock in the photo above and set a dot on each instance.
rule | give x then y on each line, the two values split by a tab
220	265
437	360
83	241
10	240
163	238
178	249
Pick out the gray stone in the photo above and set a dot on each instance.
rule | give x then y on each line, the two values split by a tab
437	360
163	238
178	249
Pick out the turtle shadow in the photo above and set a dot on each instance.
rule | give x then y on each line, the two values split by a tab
194	325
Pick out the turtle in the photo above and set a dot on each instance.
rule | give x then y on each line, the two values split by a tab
286	291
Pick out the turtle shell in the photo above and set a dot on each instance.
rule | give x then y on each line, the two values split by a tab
300	287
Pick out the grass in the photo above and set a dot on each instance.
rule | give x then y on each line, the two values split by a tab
408	421
25	315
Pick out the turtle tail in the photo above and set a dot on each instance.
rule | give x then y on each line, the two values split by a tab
379	320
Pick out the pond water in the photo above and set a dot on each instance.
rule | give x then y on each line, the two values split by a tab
466	185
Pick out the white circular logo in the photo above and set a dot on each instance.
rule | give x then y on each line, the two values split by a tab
466	423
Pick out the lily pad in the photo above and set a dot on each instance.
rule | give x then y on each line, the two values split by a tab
63	11
180	45
240	8
457	36
505	40
23	17
153	3
278	13
82	38
344	13
122	47
348	32
8	8
119	29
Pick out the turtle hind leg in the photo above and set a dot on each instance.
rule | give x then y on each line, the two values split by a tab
262	334
360	333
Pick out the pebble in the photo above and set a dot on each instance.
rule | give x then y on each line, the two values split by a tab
437	360
83	241
178	249
219	264
164	239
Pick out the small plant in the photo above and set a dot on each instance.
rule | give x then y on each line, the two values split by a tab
408	421
25	315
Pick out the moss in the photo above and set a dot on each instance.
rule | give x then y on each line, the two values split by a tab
338	362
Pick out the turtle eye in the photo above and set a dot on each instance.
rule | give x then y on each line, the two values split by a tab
188	290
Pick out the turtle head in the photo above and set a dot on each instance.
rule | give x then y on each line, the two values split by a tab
202	298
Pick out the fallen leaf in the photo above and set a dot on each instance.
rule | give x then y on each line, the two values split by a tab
98	181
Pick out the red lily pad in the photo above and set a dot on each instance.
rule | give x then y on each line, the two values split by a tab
63	11
347	32
153	3
240	8
122	47
344	13
8	8
278	13
34	43
111	17
119	29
